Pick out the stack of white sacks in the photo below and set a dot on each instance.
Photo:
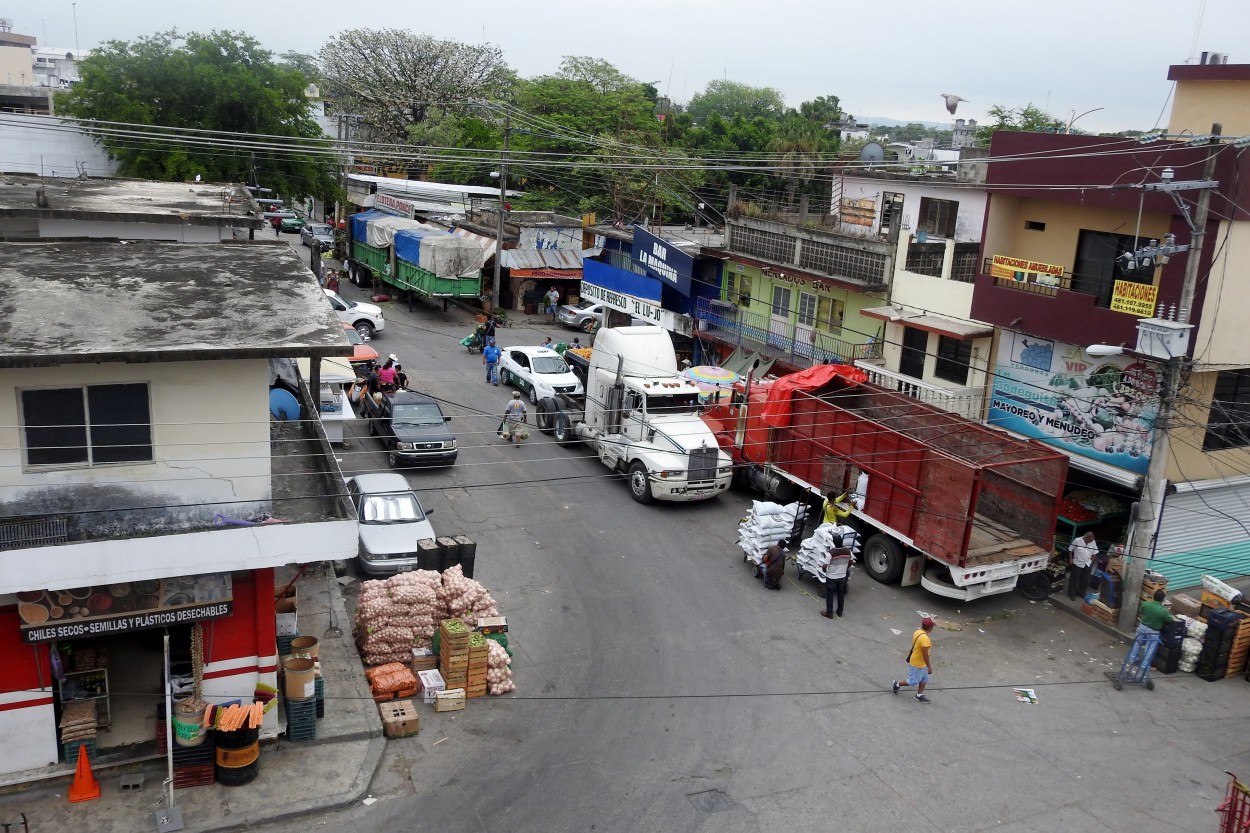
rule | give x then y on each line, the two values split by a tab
1191	647
814	554
766	524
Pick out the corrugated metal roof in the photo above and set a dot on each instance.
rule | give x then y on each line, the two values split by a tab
1201	532
542	258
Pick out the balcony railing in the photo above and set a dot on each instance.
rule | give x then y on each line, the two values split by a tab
792	342
967	402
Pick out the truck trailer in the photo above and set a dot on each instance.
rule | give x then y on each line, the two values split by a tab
640	416
958	507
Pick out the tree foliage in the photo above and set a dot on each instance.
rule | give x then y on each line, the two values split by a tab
222	81
392	78
732	98
1027	118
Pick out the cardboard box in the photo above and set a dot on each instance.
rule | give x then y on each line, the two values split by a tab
1182	604
492	624
429	683
399	718
1211	600
287	615
449	701
423	659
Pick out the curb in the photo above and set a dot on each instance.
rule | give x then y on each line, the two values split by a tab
1075	613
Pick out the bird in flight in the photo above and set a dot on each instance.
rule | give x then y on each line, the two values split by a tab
952	101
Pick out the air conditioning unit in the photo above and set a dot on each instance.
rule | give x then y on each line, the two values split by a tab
1217	57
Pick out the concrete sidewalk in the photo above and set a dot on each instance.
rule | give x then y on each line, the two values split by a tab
295	778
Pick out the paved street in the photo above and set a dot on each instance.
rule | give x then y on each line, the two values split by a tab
661	688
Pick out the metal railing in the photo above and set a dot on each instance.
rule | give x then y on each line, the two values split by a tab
790	341
967	402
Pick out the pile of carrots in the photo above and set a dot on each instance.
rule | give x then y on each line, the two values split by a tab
236	716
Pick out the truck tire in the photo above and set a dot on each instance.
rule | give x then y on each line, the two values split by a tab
883	559
364	328
561	429
542	416
639	483
1035	587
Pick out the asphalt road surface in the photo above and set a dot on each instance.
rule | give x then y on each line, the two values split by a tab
661	688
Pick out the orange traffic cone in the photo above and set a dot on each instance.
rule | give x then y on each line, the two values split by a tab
85	787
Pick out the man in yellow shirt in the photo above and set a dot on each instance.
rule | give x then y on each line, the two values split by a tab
918	665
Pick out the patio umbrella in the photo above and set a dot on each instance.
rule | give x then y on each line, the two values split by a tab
710	377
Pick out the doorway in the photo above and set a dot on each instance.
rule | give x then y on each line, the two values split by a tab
915	344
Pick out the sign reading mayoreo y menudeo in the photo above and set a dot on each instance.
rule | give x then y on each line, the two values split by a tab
49	615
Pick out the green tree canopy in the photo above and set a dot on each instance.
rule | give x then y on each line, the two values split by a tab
732	98
1026	118
222	81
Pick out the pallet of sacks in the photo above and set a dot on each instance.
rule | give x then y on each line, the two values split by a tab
766	524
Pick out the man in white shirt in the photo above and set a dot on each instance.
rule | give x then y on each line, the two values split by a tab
1083	551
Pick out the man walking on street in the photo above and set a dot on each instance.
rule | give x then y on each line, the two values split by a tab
919	666
836	572
1082	550
514	418
490	358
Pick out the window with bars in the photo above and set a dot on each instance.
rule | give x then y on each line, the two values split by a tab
937	217
1228	421
843	261
953	358
766	244
87	425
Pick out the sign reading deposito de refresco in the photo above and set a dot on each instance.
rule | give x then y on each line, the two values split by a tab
49	615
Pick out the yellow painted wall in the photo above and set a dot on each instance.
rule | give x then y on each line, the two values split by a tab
1064	222
1198	104
16	66
1187	461
1221	336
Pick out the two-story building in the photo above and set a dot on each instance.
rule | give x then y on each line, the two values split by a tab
145	484
1067	222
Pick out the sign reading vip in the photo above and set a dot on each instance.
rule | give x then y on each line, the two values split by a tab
661	259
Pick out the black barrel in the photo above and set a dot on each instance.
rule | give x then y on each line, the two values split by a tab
467	547
238	756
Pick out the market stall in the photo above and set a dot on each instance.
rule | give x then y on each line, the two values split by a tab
334	409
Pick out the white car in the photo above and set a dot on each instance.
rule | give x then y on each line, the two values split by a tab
365	319
392	521
584	315
538	370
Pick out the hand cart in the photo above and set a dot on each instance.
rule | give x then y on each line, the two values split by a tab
1136	667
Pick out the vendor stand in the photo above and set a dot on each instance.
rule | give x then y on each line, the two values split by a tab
333	407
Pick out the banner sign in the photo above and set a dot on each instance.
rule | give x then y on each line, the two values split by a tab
1025	271
661	259
1101	408
48	615
1137	299
637	307
394	205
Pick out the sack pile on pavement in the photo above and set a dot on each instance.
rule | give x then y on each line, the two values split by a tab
1191	645
499	671
400	613
766	524
814	553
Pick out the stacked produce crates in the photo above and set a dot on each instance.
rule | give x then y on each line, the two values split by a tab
301	719
193	765
1238	654
1223	626
479	658
453	653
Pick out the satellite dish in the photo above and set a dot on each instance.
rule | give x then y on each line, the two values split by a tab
872	152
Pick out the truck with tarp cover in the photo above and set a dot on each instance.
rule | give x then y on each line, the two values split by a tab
413	257
956	506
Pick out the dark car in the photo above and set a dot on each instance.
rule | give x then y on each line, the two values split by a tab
412	428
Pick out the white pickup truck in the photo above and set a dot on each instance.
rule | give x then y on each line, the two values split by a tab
640	416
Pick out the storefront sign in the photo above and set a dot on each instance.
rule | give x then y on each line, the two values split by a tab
1101	408
637	307
124	606
1026	271
394	205
797	280
661	259
1137	299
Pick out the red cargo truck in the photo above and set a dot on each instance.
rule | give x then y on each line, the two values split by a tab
961	508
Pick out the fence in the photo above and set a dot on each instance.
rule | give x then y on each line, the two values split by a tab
792	342
967	402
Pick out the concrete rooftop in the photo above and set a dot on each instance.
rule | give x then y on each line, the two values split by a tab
89	302
129	200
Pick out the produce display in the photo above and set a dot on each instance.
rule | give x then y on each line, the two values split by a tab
1076	512
1093	501
584	352
390	680
401	613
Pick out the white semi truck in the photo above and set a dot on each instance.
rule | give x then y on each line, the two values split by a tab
640	416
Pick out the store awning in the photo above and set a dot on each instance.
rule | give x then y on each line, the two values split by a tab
553	274
940	324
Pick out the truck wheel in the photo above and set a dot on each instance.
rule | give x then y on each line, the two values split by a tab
1035	587
542	416
562	431
639	483
365	329
883	559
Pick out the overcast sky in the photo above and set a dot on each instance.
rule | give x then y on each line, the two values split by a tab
880	59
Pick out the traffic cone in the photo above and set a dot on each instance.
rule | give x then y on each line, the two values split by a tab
85	787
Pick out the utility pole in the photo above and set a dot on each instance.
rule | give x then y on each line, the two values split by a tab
503	198
1145	525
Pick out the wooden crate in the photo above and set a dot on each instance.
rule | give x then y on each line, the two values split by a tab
1209	599
449	701
455	641
475	691
1101	614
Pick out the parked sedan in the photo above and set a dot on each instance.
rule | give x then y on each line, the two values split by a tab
291	225
319	233
584	315
539	371
392	521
